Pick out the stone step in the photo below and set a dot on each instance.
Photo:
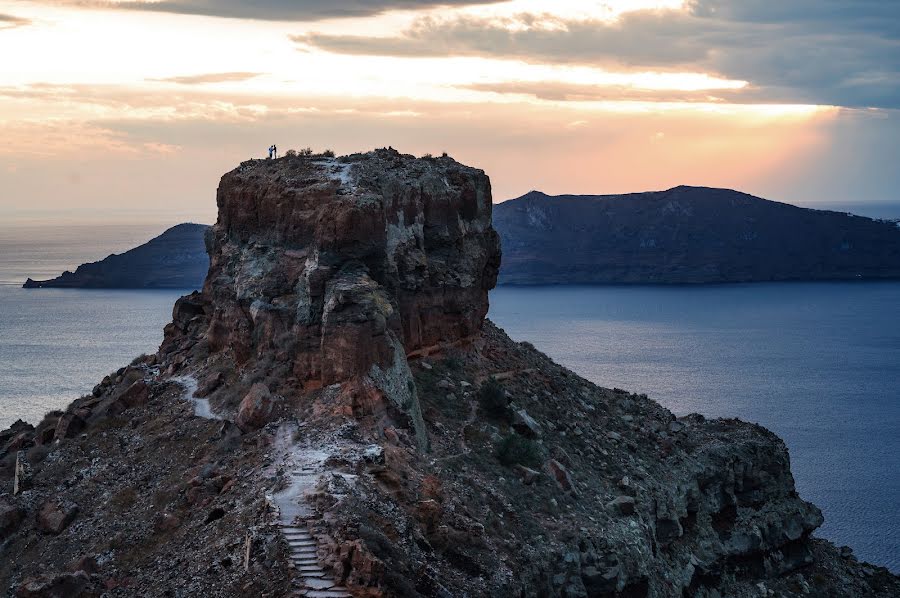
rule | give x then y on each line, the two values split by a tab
305	561
319	584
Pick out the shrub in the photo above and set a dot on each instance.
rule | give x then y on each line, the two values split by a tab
328	153
306	151
428	157
492	399
518	450
291	153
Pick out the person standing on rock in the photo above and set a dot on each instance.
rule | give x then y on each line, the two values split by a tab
271	149
274	151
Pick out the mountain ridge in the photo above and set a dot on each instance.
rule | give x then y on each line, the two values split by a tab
687	235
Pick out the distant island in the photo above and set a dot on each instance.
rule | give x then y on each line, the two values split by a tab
686	235
176	259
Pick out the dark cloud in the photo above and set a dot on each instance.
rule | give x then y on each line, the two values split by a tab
275	10
821	51
209	78
11	22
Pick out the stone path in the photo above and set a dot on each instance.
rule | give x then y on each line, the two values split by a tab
306	466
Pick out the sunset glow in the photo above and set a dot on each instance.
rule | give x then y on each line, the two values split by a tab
90	79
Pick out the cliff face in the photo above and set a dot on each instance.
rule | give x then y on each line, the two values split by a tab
344	267
176	259
687	235
333	416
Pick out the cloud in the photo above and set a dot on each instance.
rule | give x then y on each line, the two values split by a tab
275	10
573	92
209	78
11	22
805	51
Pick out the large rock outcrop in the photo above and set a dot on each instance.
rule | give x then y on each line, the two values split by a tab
345	266
333	416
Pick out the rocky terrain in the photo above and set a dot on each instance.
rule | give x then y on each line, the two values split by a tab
332	416
176	259
687	235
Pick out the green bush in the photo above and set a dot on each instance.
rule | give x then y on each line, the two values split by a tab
492	399
518	450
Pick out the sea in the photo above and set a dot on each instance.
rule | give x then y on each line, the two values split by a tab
817	363
56	344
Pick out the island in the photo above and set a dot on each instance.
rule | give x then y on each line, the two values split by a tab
176	259
687	235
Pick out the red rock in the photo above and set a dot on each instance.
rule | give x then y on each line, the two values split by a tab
359	261
65	585
55	515
256	408
135	395
165	522
88	564
11	516
560	474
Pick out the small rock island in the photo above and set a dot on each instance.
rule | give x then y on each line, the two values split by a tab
334	416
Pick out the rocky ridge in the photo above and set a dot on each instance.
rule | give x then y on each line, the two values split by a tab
333	415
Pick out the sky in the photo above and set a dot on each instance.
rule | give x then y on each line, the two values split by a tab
131	110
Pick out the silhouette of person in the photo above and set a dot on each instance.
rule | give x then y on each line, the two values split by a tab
274	151
271	148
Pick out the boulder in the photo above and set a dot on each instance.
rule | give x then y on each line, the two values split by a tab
256	408
622	505
561	475
21	474
525	425
55	515
135	395
64	585
69	426
11	515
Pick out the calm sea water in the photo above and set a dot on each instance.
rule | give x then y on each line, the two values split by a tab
819	364
56	344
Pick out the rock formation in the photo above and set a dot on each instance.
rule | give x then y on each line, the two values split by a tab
344	267
687	235
333	416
